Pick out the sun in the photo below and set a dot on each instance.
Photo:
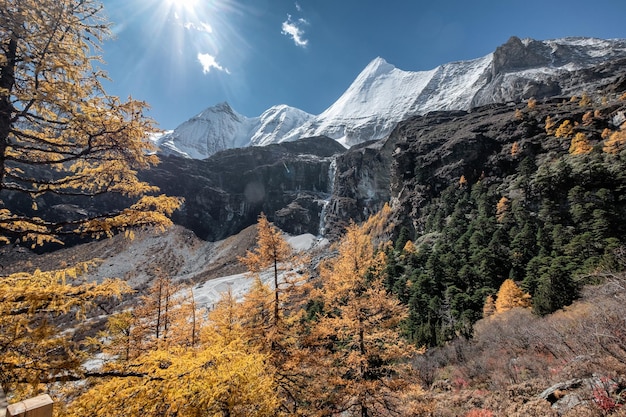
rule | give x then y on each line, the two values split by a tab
182	5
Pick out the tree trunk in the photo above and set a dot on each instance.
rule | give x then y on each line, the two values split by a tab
276	306
7	81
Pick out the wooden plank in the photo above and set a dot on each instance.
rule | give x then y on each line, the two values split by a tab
40	406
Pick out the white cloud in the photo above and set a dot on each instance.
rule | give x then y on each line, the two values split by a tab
295	31
208	62
200	27
298	7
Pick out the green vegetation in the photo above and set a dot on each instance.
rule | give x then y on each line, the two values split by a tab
556	216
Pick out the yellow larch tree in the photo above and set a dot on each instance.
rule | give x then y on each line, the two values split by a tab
218	378
361	358
515	149
550	123
60	133
273	315
489	308
565	129
32	349
615	142
580	145
502	208
62	137
271	251
509	296
222	374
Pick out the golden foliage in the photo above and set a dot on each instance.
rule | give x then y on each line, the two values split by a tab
585	100
615	142
60	132
489	308
510	296
531	103
588	118
549	125
271	251
462	181
32	349
502	208
515	149
565	130
409	247
580	145
359	352
215	379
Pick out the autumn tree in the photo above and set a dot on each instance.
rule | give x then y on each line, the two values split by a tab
360	354
502	208
489	308
60	133
272	316
32	349
615	142
220	377
62	138
580	145
565	129
585	100
509	296
271	250
550	123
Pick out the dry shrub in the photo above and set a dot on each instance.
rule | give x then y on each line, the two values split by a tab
479	412
535	407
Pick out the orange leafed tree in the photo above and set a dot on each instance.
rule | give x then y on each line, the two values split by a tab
62	137
510	295
502	208
360	354
580	145
550	123
565	130
615	142
271	251
272	316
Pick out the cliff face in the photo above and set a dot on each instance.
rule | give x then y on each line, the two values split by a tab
226	192
426	154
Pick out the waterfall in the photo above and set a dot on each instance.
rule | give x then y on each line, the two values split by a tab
332	169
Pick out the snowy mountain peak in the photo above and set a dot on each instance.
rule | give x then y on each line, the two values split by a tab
276	122
377	67
223	107
219	127
383	95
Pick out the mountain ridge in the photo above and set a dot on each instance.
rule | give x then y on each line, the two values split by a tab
383	95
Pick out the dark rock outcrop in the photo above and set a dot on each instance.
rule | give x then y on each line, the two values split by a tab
225	193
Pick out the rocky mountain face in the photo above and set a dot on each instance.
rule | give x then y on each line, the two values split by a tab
383	95
226	192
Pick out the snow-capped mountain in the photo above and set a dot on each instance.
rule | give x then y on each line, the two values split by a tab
220	127
383	95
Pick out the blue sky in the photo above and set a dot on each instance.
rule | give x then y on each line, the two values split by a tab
182	56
